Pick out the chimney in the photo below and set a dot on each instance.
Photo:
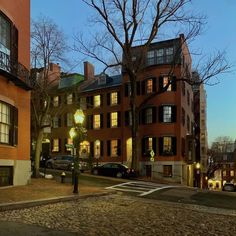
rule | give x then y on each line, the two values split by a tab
88	70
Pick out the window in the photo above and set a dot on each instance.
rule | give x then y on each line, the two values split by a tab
167	170
160	56
128	118
150	58
82	103
69	99
149	88
97	101
55	122
167	113
96	122
167	146
55	147
127	89
114	98
97	149
169	55
69	141
5	123
114	119
224	173
69	119
148	116
114	144
56	101
232	173
165	82
148	144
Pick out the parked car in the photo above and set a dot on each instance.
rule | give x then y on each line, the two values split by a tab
229	187
113	170
65	162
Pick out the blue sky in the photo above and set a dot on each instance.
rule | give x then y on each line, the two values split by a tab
219	34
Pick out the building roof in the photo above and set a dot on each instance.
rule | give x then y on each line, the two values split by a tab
110	81
70	80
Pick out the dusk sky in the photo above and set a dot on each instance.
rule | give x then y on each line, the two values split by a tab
219	34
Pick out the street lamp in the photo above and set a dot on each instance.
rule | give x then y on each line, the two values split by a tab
77	134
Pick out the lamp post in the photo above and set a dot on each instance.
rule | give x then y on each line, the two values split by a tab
77	134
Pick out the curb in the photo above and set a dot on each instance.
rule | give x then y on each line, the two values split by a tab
40	202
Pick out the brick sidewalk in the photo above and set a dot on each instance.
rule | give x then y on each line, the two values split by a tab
43	189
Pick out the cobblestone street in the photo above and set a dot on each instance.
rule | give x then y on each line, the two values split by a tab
125	215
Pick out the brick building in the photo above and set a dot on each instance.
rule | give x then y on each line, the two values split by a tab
14	93
165	121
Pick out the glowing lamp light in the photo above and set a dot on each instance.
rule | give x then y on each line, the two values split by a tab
72	133
198	165
79	116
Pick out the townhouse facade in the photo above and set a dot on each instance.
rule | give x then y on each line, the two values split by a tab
15	166
165	120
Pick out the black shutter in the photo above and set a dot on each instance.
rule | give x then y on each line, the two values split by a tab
173	83
173	114
143	87
65	120
143	112
65	142
126	90
14	49
108	99
108	148
59	121
138	87
108	120
92	149
119	119
126	118
101	120
88	102
118	147
118	97
161	146
101	148
91	101
154	115
174	146
59	145
143	146
160	83
91	121
101	100
161	114
154	145
154	84
14	126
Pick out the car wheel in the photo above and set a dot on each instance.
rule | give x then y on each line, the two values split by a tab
49	165
119	175
95	172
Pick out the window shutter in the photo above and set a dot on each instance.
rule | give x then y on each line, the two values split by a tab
126	118
108	120
59	121
143	146
173	141
126	90
65	142
91	101
119	119
160	146
138	87
101	100
59	145
154	114
143	87
14	126
160	83
154	84
154	145
173	113
173	84
92	149
101	146
118	97
108	148
65	120
14	49
118	147
143	112
59	100
108	99
161	114
73	98
101	120
91	121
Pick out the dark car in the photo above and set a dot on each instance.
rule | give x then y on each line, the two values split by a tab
229	187
65	162
113	170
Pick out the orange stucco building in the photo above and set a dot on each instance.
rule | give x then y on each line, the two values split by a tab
15	167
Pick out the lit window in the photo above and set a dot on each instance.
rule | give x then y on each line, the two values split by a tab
149	86
224	173
232	173
55	145
69	98
97	149
165	82
114	119
69	119
69	141
148	116
167	145
150	143
114	98
114	145
55	122
56	101
96	122
167	114
97	101
150	58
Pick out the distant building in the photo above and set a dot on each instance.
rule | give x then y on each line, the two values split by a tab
15	166
165	121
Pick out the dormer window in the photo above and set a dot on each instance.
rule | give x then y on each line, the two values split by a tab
102	79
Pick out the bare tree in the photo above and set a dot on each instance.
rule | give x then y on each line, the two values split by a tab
124	24
48	45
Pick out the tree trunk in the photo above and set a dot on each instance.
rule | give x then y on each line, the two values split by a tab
37	153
